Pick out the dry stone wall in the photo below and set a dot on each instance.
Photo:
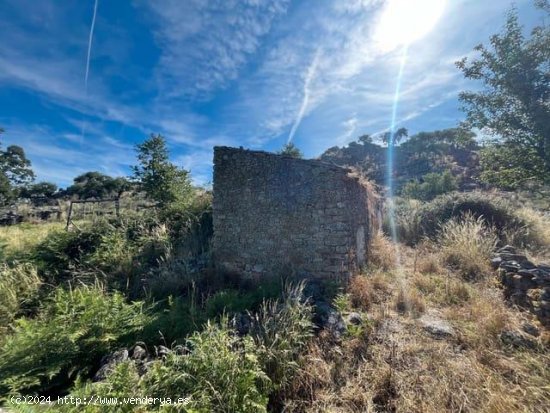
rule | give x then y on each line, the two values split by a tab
275	214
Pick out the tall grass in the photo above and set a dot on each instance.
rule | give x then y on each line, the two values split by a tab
19	285
467	244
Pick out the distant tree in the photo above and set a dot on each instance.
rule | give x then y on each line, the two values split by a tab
38	190
397	136
291	150
365	139
15	171
513	106
160	179
96	185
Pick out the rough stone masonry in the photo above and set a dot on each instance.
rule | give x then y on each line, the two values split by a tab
275	214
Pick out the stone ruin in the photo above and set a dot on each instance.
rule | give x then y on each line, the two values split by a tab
275	214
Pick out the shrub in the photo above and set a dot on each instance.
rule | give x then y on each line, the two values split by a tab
467	244
430	186
281	331
496	212
68	337
221	374
19	285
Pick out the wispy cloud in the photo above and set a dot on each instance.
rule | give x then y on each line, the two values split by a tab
311	70
206	43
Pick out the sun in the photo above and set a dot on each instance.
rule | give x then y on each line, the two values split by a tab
403	22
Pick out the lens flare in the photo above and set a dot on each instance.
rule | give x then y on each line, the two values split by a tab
403	22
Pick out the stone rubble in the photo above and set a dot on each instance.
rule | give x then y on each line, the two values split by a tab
525	284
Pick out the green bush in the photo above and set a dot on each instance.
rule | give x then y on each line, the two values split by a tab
70	334
430	186
19	285
281	330
221	373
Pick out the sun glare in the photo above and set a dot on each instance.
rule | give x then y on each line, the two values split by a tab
403	22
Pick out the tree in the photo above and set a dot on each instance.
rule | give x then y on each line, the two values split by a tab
39	190
291	150
397	136
97	185
513	106
15	171
161	180
365	139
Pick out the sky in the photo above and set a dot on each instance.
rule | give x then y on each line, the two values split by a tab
250	73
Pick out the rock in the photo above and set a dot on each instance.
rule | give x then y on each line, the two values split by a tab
517	340
495	262
513	257
336	324
162	351
510	266
531	329
355	319
507	249
436	326
109	362
139	353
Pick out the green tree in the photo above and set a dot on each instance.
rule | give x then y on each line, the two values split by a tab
513	106
291	150
161	180
39	190
97	185
15	171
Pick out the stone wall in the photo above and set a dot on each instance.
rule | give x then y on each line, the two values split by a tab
275	214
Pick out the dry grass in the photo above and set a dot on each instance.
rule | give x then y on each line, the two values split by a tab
381	252
20	238
466	245
409	301
368	289
396	366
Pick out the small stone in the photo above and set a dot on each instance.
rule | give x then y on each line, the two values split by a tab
139	353
355	319
436	326
507	249
531	329
517	340
495	262
109	362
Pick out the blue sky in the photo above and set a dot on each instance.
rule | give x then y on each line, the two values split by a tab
248	73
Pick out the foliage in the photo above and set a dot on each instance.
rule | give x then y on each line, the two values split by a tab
15	171
95	185
437	151
281	331
513	104
73	329
38	190
19	284
430	186
161	180
291	150
221	373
